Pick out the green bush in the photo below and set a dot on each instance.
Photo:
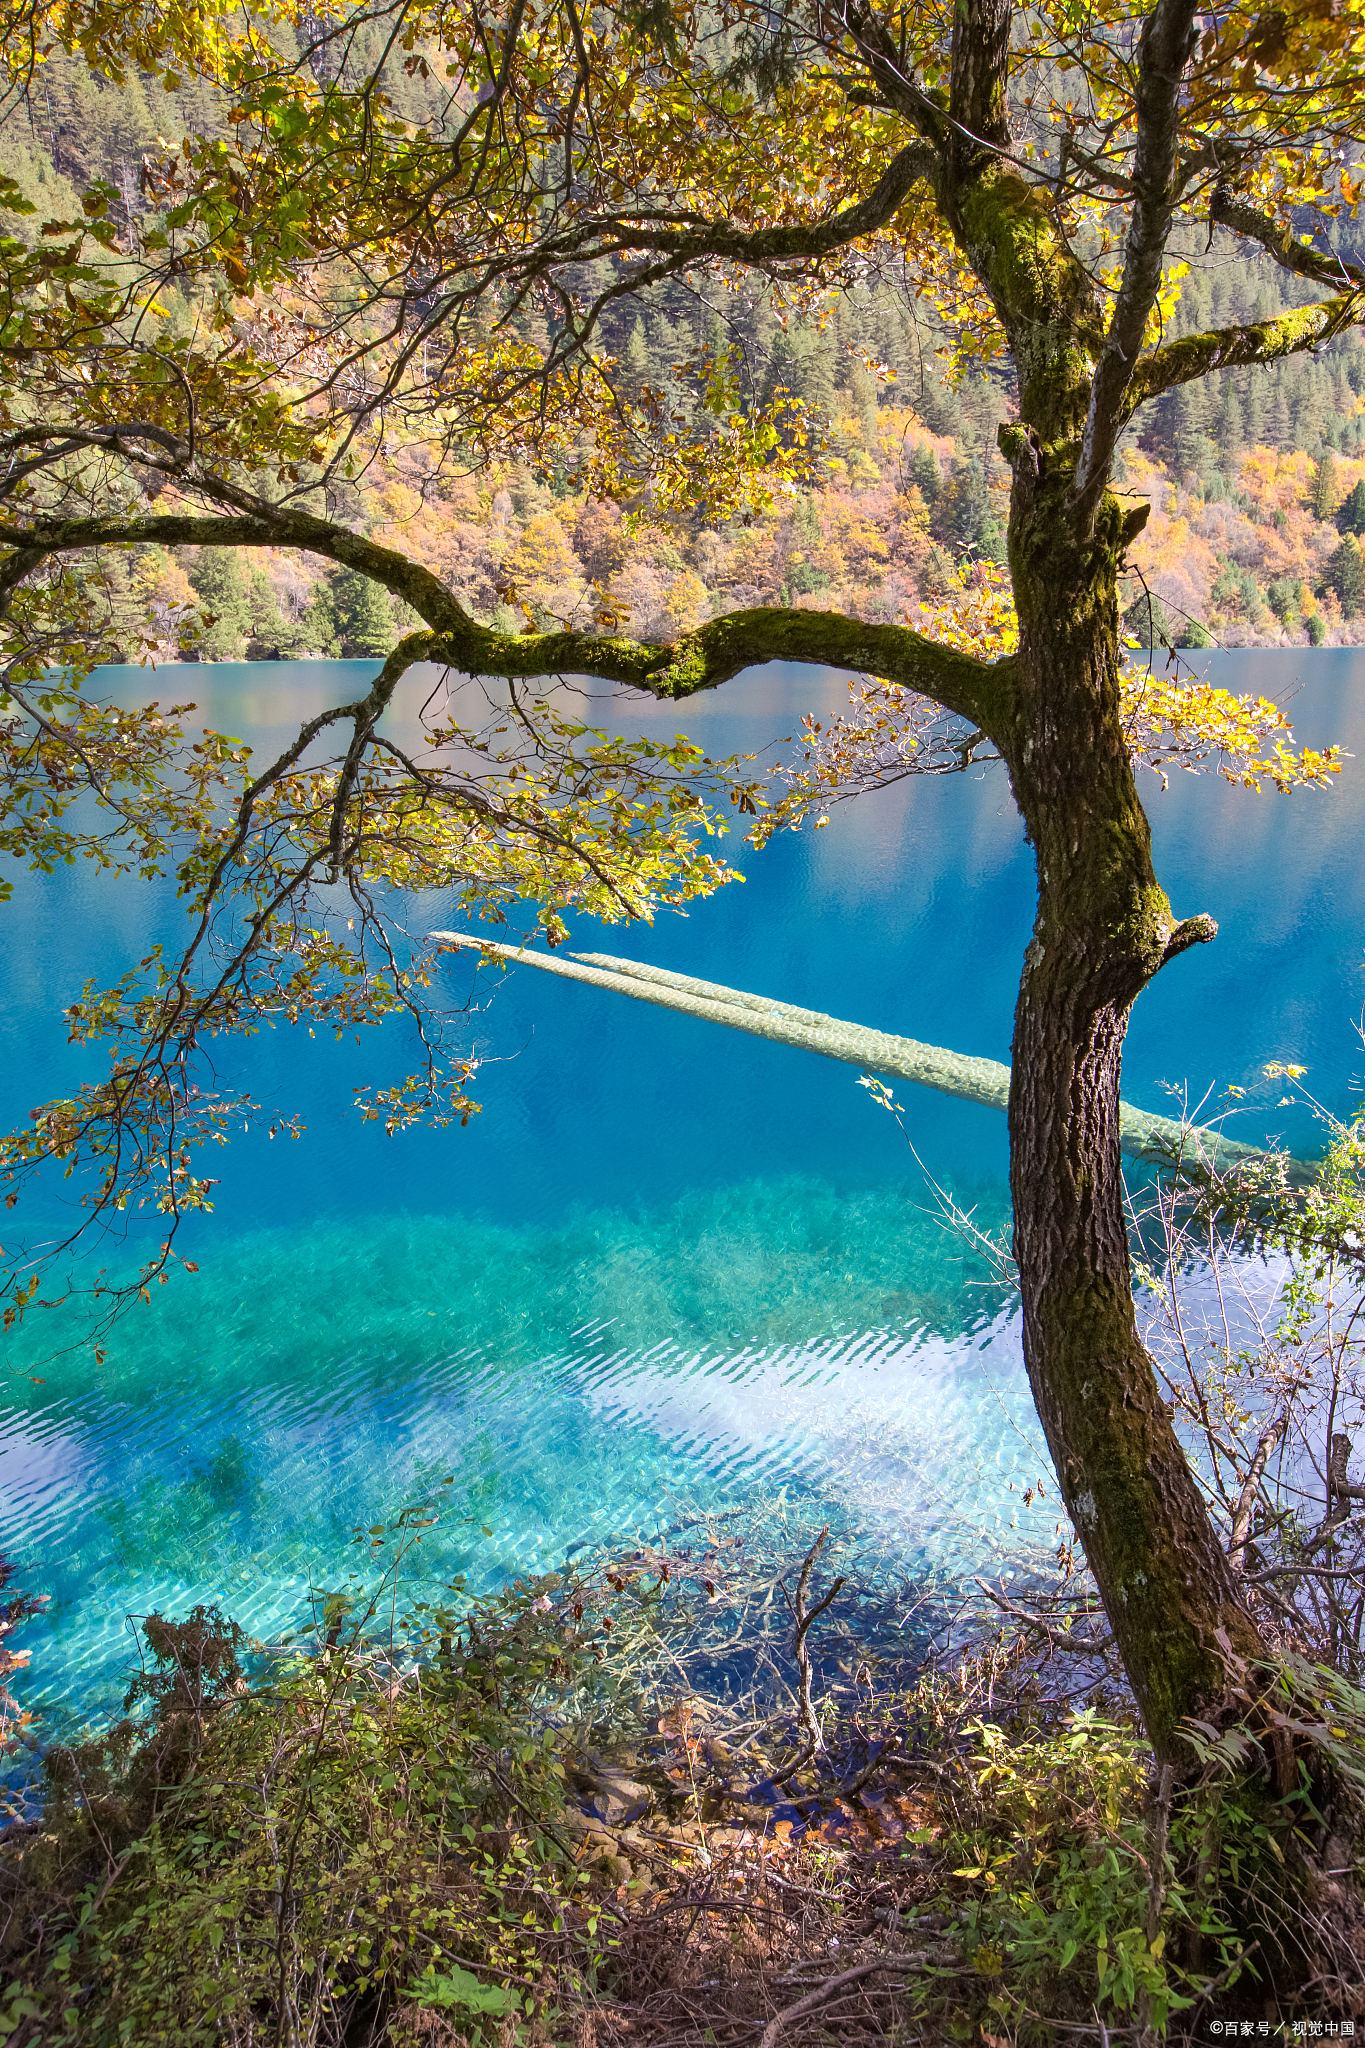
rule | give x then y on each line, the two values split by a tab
1100	1887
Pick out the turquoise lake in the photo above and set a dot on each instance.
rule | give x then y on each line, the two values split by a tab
671	1276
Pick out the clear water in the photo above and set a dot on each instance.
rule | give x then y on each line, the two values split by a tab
671	1273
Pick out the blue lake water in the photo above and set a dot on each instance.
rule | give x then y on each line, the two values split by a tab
671	1274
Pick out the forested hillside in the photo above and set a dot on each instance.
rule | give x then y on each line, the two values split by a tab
1256	476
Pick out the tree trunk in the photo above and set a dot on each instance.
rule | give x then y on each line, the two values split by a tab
1103	929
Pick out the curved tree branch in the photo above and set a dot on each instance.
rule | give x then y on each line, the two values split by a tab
978	691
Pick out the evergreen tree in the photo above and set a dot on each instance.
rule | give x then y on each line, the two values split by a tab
960	515
271	638
1189	412
1229	432
638	362
1281	425
1345	574
802	576
863	390
364	619
925	472
1322	491
1350	517
224	593
1282	597
803	362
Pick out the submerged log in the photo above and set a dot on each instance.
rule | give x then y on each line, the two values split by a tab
877	1052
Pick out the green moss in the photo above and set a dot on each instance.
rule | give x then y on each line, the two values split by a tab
1261	341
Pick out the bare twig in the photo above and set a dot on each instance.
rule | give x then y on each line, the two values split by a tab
803	1624
831	1988
1089	1648
1246	1499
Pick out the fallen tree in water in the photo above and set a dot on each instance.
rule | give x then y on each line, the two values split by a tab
1142	1134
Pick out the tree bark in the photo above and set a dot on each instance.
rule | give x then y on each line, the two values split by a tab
1103	929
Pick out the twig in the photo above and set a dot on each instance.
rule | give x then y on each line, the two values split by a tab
831	1987
1156	1874
1058	1642
784	1777
1217	1983
803	1623
1246	1499
852	1786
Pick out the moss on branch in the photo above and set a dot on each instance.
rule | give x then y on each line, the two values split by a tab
1228	348
723	647
714	654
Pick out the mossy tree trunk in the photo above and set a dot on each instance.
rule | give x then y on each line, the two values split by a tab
1103	929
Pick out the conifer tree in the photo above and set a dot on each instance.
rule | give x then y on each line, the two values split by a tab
1322	490
223	591
1350	514
1345	574
363	614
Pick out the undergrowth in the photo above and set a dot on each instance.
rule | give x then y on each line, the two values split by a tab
506	1822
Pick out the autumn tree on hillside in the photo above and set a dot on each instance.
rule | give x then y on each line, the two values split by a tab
1040	175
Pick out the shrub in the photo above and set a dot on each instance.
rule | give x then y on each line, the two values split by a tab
308	1832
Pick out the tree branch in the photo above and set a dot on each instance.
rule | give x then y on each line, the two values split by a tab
915	164
257	525
1246	1499
1164	50
1195	931
719	650
1227	348
1076	1646
1300	257
978	691
980	68
832	1986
